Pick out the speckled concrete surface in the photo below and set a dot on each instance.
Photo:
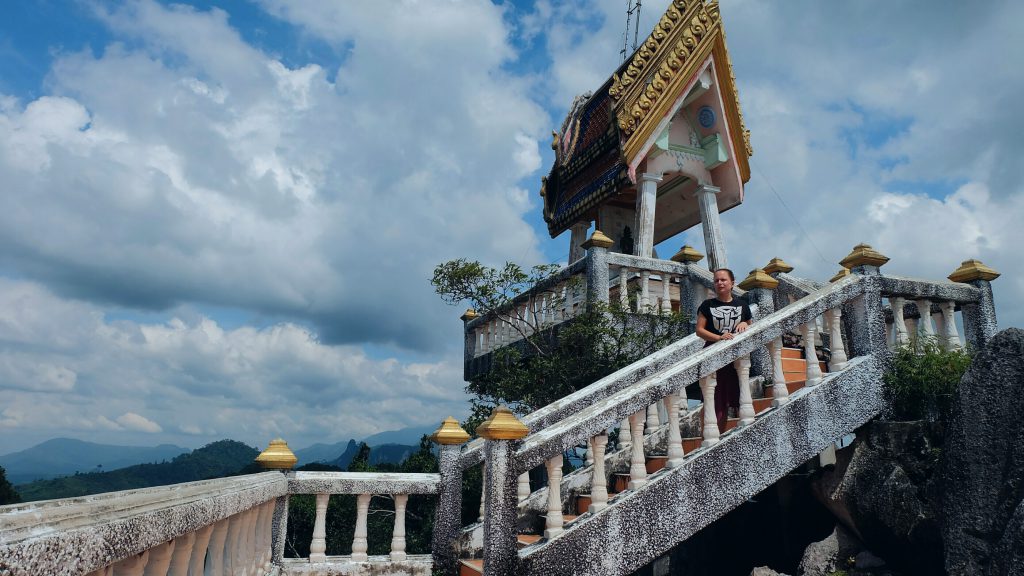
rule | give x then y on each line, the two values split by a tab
678	502
77	535
362	483
414	565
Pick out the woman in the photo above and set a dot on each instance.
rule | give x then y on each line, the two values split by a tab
720	318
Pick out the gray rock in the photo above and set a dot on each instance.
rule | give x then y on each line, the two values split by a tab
867	561
983	464
765	571
831	554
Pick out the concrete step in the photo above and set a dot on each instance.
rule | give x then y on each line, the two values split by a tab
792	353
471	567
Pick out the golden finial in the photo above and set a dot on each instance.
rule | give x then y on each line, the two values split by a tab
277	456
502	425
687	254
971	270
758	278
450	433
554	140
863	255
598	239
469	315
777	265
843	273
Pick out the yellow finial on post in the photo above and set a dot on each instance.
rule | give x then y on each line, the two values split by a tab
502	425
971	270
277	456
777	265
758	278
449	433
687	254
863	255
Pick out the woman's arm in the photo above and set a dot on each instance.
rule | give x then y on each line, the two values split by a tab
703	332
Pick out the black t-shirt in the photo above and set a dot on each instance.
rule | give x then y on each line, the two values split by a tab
722	317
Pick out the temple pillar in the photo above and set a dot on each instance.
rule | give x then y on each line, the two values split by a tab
577	236
707	200
645	199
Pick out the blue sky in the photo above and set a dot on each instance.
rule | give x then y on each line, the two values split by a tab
218	219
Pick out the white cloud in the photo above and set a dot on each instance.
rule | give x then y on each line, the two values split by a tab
134	422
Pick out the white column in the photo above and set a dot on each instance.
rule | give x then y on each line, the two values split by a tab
623	288
318	545
589	457
266	535
901	337
598	481
714	245
244	554
232	545
637	463
159	559
835	323
666	298
675	439
483	491
949	334
199	549
625	437
523	486
577	236
644	304
707	388
645	200
398	534
746	412
134	566
810	354
359	545
215	566
780	392
924	325
555	521
182	554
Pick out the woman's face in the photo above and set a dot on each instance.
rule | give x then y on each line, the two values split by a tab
723	284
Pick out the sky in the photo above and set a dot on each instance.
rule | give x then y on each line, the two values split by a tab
218	219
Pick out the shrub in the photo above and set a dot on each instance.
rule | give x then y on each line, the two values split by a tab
923	379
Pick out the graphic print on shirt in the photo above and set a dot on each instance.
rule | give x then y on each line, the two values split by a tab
726	318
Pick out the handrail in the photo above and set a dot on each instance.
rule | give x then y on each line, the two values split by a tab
599	416
574	269
363	483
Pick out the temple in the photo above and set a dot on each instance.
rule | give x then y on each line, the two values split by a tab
657	149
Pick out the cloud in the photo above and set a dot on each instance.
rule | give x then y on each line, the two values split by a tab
134	422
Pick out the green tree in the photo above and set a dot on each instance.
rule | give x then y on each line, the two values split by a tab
922	379
8	495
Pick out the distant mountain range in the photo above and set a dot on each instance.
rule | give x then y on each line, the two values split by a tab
63	456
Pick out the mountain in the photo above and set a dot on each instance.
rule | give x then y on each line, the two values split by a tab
385	453
216	460
63	456
321	452
405	436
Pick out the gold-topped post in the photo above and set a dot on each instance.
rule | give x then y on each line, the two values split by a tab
758	278
687	254
863	255
468	315
599	239
777	265
502	425
843	273
971	270
277	456
449	433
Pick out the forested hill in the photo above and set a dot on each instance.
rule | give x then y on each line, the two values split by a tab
221	458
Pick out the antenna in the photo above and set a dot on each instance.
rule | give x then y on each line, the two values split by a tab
632	17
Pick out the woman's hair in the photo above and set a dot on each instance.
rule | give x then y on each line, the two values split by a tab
727	271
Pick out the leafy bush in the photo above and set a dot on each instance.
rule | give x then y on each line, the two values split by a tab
923	379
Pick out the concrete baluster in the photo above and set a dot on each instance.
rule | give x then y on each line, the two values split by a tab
247	551
780	392
263	536
644	306
182	554
839	358
623	288
666	301
707	388
523	486
746	411
637	463
483	499
653	419
199	549
899	324
398	534
231	561
554	522
598	481
925	331
318	545
134	566
625	437
589	456
950	338
810	354
215	566
675	439
359	544
159	559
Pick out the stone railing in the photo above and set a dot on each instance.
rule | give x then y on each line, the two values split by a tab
848	312
221	526
364	485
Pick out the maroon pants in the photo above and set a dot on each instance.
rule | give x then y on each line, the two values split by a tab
727	392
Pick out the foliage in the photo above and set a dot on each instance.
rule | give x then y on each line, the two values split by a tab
215	460
922	380
8	495
341	511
